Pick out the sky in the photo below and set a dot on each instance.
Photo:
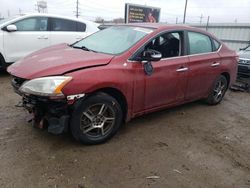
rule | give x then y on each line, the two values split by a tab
219	11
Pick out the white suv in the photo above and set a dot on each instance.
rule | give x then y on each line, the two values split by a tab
22	35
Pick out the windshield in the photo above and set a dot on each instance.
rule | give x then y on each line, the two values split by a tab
113	40
6	19
248	48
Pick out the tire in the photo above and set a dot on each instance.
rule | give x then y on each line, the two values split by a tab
218	91
2	63
96	119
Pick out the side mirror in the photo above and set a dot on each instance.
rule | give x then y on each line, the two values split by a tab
151	55
11	28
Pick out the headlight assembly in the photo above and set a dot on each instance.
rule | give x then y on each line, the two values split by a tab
46	86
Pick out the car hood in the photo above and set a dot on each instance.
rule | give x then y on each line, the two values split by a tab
244	54
56	60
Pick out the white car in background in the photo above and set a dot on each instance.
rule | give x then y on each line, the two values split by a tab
25	34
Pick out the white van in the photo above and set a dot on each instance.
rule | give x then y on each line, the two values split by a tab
23	35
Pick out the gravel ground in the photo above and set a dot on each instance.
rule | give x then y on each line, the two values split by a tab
194	145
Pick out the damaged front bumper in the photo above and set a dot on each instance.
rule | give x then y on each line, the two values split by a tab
52	113
46	113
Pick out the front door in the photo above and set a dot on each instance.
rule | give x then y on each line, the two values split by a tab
31	35
168	82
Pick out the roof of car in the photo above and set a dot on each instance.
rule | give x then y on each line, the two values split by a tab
49	15
57	16
164	26
159	25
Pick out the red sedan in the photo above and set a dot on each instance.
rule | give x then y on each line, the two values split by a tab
92	86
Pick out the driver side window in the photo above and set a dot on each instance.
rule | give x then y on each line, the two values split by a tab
168	44
32	24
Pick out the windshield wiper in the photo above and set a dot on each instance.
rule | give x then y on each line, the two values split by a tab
83	48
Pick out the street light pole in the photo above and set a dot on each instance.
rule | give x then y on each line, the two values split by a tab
185	10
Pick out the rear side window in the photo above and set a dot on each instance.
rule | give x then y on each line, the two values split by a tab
81	27
32	24
58	24
199	43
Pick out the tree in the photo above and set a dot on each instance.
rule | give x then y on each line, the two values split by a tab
99	19
118	20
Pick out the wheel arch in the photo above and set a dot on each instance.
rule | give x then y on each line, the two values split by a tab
227	75
119	96
2	61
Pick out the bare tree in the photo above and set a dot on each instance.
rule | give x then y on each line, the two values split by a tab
118	20
99	19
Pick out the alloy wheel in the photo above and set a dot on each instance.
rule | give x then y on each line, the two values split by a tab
97	120
219	90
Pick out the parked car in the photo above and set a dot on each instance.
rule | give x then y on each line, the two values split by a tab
244	62
20	36
119	73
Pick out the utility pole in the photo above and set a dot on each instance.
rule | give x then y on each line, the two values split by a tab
8	13
176	20
185	10
207	22
20	11
201	17
77	8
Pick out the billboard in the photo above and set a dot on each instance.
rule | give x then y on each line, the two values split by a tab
139	13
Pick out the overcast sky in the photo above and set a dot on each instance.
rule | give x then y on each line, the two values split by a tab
219	11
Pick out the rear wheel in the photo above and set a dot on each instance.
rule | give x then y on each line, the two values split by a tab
96	119
218	91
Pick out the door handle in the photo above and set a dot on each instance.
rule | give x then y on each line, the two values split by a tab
182	69
42	37
215	64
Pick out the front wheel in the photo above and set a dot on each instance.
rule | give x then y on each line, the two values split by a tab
2	63
218	91
96	119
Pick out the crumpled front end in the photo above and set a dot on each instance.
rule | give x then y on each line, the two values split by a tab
44	112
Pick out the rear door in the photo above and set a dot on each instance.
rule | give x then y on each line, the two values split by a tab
32	34
66	31
203	65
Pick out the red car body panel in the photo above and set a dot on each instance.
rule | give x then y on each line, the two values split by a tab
56	60
164	88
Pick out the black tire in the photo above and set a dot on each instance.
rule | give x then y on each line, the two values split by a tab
96	119
218	90
2	63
